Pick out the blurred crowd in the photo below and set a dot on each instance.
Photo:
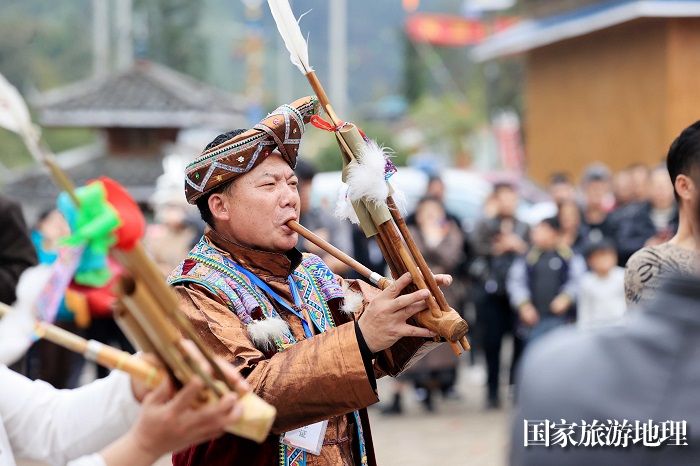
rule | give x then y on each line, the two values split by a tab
518	280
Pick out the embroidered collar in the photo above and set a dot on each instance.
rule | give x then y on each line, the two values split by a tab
269	266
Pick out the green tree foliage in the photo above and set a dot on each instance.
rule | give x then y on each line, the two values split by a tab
173	34
415	78
44	44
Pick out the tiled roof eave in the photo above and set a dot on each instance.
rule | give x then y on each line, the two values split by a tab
138	119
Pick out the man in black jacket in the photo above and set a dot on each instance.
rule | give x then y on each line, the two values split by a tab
498	241
16	249
645	371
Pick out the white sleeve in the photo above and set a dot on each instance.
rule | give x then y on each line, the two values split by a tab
584	308
56	426
91	460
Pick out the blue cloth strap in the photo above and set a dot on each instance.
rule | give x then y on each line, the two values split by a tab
296	309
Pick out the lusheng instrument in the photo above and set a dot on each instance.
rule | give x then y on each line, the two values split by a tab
371	195
148	308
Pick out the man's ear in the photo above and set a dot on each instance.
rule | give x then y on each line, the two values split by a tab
218	205
685	188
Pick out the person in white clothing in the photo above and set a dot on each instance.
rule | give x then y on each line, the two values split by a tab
601	300
102	424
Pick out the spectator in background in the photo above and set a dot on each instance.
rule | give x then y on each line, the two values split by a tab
16	249
623	188
647	267
45	360
601	298
441	242
650	223
170	238
498	241
435	189
543	284
561	189
572	231
640	182
597	203
322	224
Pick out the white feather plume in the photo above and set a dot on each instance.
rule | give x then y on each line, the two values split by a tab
400	201
352	302
263	332
288	27
366	177
17	327
14	114
343	207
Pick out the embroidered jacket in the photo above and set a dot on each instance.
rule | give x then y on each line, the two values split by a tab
307	380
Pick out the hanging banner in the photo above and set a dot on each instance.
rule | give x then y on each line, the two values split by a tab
452	31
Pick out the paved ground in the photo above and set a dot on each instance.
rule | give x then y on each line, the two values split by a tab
459	432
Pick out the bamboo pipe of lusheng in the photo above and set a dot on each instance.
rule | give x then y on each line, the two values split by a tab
138	262
102	354
392	237
398	269
386	253
363	270
258	416
405	256
422	264
375	278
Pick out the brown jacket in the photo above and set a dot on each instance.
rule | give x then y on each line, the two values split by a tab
320	378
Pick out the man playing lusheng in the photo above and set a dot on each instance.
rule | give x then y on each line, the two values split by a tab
307	341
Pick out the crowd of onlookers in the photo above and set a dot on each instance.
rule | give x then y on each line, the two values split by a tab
512	279
521	280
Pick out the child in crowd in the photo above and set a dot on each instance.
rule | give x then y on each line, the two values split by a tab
543	284
601	300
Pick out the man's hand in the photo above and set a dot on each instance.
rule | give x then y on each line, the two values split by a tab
384	321
560	304
528	314
139	387
170	420
443	279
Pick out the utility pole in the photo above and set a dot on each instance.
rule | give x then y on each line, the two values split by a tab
255	57
285	77
338	54
100	38
125	46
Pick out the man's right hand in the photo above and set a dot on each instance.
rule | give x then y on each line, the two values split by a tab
529	315
383	322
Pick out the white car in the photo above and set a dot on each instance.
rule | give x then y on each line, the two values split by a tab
465	193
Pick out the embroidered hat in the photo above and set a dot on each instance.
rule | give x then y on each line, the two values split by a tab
281	130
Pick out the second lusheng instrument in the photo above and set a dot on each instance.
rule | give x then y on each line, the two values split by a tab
148	309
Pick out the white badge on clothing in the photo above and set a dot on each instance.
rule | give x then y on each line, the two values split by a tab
308	438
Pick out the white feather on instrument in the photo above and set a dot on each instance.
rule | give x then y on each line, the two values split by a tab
366	177
288	27
343	207
400	200
14	115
